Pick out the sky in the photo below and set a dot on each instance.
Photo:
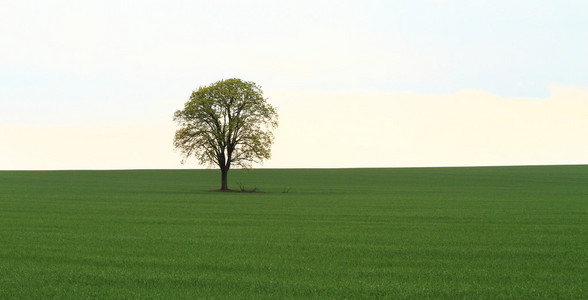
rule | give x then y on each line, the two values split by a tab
95	84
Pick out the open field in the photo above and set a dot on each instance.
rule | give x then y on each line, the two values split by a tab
496	232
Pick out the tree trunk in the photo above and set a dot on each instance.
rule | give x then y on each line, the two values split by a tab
224	185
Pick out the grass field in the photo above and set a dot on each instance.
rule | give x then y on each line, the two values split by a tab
495	232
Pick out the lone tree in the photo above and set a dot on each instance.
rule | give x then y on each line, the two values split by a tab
226	123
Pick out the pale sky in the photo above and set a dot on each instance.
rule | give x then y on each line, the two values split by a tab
94	84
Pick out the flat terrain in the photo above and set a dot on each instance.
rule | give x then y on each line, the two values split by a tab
496	232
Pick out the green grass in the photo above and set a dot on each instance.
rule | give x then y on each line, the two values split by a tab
497	232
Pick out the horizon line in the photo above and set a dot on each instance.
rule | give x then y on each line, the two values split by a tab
298	168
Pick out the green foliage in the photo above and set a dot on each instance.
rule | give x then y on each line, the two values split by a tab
227	123
453	233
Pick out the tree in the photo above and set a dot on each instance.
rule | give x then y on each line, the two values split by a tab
227	123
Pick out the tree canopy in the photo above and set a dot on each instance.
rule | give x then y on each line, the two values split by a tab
228	123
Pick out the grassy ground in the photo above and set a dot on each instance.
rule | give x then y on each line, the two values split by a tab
504	232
